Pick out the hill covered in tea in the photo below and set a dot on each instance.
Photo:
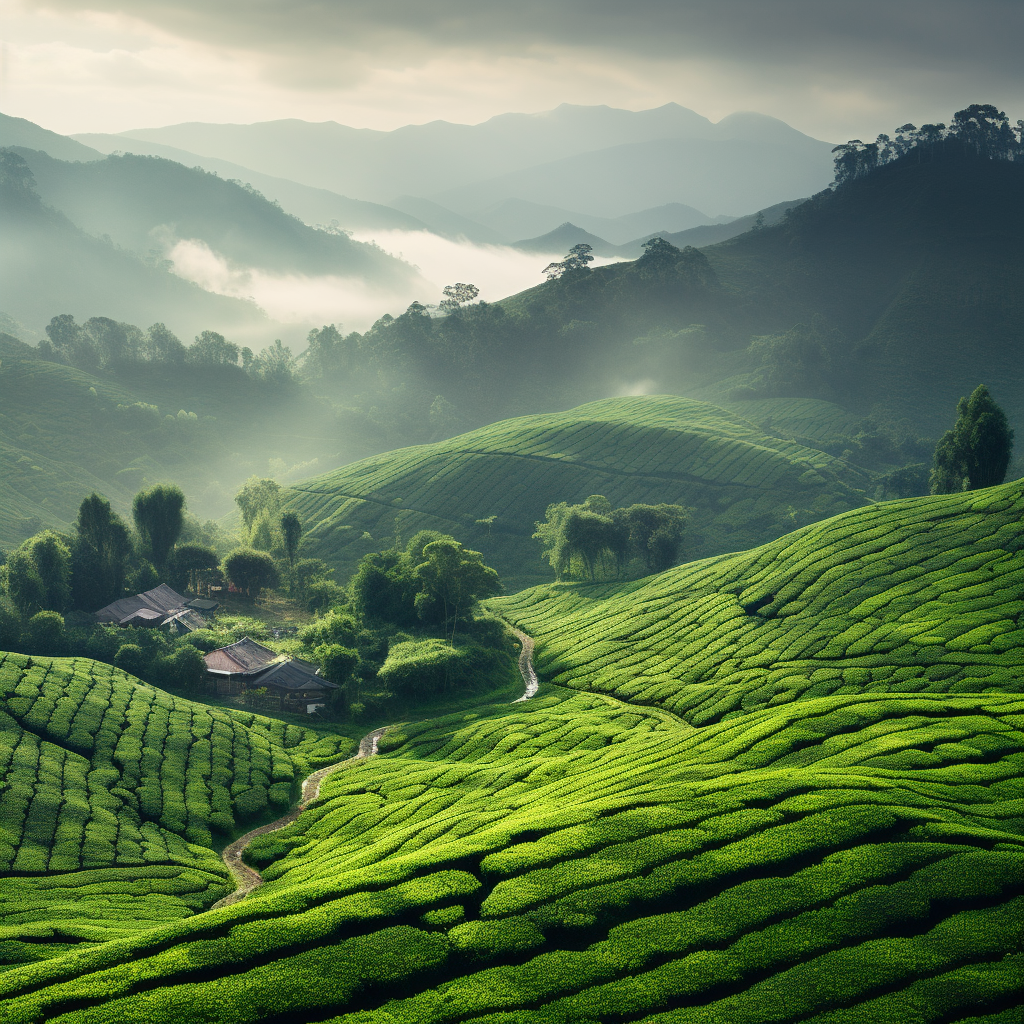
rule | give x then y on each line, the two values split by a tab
112	794
853	853
490	486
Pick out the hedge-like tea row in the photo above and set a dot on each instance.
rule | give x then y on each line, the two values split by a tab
924	595
100	773
747	486
581	860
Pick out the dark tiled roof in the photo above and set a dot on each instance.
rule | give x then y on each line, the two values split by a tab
243	657
161	599
292	675
203	604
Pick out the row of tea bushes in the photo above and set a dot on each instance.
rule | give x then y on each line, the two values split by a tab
502	866
917	596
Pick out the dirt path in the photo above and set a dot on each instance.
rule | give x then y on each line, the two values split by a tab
249	878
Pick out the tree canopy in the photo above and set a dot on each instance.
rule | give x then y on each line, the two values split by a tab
251	571
159	515
976	452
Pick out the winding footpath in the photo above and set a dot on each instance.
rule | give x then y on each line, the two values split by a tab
249	878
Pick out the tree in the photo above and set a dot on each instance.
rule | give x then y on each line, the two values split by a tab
52	559
163	346
576	260
291	532
457	295
976	452
274	364
131	658
383	587
159	515
100	555
24	583
193	562
46	633
251	571
70	342
337	663
211	349
259	494
452	580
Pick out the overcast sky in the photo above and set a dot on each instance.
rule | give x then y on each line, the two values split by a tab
831	69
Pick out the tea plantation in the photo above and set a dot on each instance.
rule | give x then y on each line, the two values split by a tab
842	850
490	486
111	794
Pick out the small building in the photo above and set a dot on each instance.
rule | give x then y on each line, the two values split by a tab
159	607
245	665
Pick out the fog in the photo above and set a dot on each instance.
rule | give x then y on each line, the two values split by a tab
302	301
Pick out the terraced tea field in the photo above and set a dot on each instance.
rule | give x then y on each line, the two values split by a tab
490	486
917	596
111	795
844	855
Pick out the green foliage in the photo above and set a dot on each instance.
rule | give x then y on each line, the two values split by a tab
159	515
110	793
976	452
46	634
101	554
192	564
251	571
291	532
257	496
452	580
338	662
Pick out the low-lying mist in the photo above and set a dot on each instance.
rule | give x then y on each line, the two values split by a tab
303	301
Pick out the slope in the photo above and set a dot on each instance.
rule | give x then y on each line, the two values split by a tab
847	857
919	596
16	131
49	266
147	203
490	486
111	793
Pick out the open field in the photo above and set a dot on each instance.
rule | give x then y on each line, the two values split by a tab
744	485
841	850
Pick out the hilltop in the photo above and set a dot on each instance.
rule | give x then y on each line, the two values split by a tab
488	487
851	851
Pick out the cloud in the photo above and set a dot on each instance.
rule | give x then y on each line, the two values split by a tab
498	271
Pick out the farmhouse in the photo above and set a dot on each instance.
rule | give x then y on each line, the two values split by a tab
247	665
160	606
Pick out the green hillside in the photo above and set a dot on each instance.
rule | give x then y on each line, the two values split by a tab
111	794
853	855
745	486
920	596
146	202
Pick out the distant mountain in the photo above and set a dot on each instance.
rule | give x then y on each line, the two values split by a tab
16	131
563	238
312	205
146	204
48	266
471	167
443	221
517	218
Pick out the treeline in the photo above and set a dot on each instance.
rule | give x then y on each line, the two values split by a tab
593	539
104	343
980	129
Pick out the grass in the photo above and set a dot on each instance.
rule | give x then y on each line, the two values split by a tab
845	854
745	486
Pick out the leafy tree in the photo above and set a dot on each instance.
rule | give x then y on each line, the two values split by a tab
251	571
52	559
976	452
337	663
383	588
576	260
291	532
163	346
46	633
264	536
131	658
24	583
100	555
654	533
452	578
159	515
193	562
71	343
457	295
212	349
114	342
274	364
259	494
184	668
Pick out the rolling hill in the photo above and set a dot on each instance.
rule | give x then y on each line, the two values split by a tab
490	486
112	793
851	852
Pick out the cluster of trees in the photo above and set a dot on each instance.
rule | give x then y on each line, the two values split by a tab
102	342
976	452
592	539
980	129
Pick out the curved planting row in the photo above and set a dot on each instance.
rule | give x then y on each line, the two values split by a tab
100	773
747	485
841	859
925	595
